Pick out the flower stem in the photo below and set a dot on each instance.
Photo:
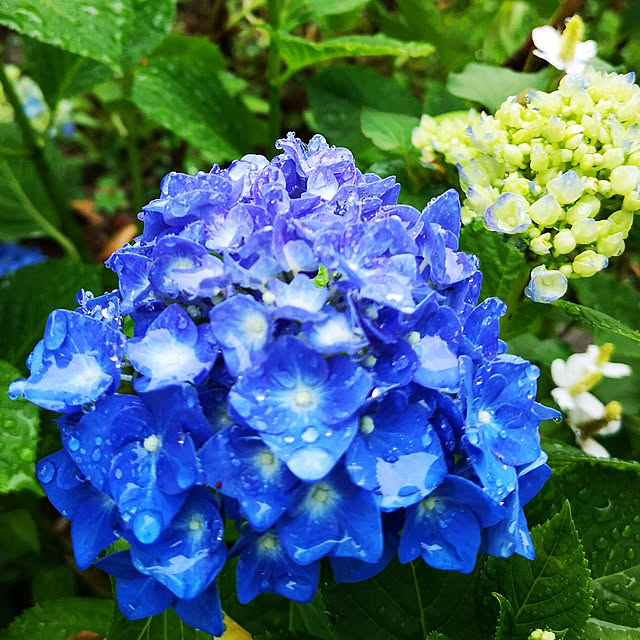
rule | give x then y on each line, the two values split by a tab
133	152
35	149
273	70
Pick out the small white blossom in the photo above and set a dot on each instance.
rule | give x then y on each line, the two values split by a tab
585	414
564	51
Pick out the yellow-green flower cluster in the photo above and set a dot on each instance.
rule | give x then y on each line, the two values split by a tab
561	170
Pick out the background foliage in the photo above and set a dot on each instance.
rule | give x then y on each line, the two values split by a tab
167	85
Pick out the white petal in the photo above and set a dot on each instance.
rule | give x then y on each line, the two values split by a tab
593	448
547	39
585	50
590	406
615	370
563	399
611	428
559	373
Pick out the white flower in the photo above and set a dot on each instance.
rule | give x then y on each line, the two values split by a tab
585	414
565	52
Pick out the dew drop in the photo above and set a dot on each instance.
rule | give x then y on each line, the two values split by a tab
73	443
45	472
310	435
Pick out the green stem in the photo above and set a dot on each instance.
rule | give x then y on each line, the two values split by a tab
31	211
133	151
273	70
35	148
423	625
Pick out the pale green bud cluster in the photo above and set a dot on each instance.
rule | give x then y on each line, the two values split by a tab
539	634
560	170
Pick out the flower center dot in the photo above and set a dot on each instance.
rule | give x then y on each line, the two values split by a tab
256	324
320	494
303	398
152	443
484	417
195	524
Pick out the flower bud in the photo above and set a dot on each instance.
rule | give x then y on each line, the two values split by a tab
508	214
612	245
588	263
631	201
546	285
612	158
621	221
541	245
566	188
585	231
545	211
564	242
512	155
624	179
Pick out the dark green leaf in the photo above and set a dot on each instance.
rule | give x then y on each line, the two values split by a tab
386	607
90	29
553	589
25	207
605	501
165	626
184	94
28	295
491	86
19	422
388	131
338	94
61	74
18	534
314	618
60	619
299	53
149	22
504	269
601	630
51	583
320	8
596	320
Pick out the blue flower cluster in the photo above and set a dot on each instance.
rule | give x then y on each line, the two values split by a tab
308	358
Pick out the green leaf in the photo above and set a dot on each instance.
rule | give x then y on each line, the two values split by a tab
59	619
388	131
18	534
505	619
184	94
299	53
113	32
504	269
601	630
391	605
149	22
165	626
491	86
19	421
605	501
338	94
553	589
28	295
314	617
61	74
25	207
320	8
596	320
90	29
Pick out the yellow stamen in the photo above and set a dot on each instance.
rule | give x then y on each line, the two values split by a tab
585	384
570	38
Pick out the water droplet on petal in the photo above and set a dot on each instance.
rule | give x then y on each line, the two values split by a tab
147	526
45	471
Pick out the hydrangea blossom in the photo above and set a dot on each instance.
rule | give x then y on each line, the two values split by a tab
309	359
558	171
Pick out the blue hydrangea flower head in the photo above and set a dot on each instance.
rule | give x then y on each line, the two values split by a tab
303	356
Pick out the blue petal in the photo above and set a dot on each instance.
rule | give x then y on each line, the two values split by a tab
203	612
93	528
188	555
264	565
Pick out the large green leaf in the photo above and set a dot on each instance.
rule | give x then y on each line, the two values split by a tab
596	320
504	269
91	29
391	605
338	94
28	295
25	207
388	131
553	589
299	53
491	86
320	8
61	74
181	91
113	32
605	501
19	432
60	619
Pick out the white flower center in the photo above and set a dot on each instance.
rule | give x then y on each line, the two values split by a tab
152	443
255	324
303	398
484	417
